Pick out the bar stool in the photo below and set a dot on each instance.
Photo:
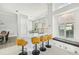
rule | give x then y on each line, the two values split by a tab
49	37
22	42
35	41
43	39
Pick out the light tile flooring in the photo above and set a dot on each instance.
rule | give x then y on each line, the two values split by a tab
14	50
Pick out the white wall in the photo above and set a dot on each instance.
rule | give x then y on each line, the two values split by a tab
76	24
22	25
55	26
9	22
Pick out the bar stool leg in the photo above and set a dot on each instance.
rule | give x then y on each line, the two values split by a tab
48	45
42	48
23	52
35	51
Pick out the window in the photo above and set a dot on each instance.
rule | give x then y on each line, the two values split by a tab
61	30
69	30
66	30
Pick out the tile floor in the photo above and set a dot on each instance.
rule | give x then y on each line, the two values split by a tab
14	50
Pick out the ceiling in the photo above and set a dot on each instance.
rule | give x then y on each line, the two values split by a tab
64	8
57	6
32	10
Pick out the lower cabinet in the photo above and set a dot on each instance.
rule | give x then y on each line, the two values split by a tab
70	48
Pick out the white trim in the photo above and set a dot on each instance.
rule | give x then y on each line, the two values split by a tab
70	10
12	35
60	7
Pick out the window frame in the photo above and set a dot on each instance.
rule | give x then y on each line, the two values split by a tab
64	36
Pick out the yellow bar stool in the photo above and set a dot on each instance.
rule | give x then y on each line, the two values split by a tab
49	37
35	41
22	42
43	39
